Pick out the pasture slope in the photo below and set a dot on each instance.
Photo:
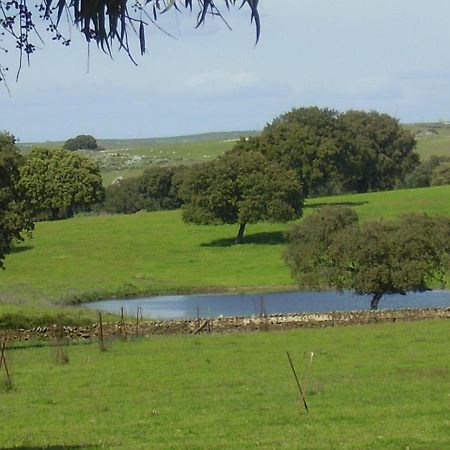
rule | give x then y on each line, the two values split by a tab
124	255
372	387
432	139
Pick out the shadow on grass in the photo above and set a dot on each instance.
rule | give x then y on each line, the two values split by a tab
266	238
350	204
50	447
22	248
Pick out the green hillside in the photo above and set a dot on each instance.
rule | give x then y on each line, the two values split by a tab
432	139
105	256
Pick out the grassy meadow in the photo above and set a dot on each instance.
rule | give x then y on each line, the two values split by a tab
371	387
436	142
123	255
131	162
376	387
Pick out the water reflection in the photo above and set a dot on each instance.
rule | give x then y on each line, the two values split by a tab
214	305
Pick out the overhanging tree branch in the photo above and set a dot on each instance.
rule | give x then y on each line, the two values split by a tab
105	22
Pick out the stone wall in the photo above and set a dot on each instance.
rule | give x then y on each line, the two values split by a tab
227	324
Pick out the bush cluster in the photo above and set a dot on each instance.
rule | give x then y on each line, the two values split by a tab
158	188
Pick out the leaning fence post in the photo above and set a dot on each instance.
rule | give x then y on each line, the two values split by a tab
3	361
298	382
61	357
102	342
122	324
137	320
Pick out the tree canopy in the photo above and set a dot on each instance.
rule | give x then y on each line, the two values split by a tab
81	142
105	22
422	174
15	216
59	183
441	174
380	152
331	249
336	152
157	188
241	188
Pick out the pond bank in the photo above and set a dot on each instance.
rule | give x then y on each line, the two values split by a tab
227	324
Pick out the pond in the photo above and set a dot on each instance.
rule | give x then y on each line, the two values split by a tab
174	307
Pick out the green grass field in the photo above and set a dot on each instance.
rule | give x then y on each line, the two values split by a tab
432	139
160	154
368	387
115	256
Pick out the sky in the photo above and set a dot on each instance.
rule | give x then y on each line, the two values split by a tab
392	57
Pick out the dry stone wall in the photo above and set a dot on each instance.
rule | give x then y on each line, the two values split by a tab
226	324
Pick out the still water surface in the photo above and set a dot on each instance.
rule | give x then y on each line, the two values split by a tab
214	305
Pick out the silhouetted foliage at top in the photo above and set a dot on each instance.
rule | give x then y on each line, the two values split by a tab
15	214
106	22
332	249
336	152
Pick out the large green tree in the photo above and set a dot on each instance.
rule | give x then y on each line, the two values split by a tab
59	183
336	152
15	216
241	188
331	249
307	141
380	151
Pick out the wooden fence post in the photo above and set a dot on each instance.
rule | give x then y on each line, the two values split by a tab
298	382
4	364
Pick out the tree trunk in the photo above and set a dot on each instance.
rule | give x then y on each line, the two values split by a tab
375	300
240	235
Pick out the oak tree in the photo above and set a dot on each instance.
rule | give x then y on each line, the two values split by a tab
241	188
15	215
334	152
59	182
331	249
